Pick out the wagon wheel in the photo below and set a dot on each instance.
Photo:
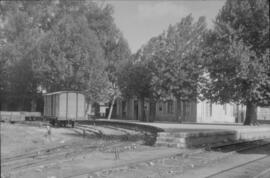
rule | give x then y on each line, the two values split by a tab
72	124
65	124
52	122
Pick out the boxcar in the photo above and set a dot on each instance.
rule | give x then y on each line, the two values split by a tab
64	107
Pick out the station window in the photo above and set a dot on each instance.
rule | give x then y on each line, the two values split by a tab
170	106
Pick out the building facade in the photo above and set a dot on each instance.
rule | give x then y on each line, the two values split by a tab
173	111
264	113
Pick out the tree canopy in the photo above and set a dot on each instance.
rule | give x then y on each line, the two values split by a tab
175	59
168	65
63	45
134	79
237	56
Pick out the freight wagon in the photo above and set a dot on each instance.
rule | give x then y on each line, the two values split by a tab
65	107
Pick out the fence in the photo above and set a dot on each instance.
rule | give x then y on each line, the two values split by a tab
17	115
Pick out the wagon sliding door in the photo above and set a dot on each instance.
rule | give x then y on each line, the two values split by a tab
81	107
71	106
71	109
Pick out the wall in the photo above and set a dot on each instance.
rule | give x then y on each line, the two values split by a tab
62	106
82	107
125	109
201	112
264	113
215	113
65	105
165	110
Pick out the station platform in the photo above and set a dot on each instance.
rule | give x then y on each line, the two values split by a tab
193	135
185	135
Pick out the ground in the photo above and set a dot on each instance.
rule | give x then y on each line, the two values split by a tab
29	152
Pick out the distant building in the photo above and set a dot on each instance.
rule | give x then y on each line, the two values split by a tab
103	107
167	111
100	110
192	112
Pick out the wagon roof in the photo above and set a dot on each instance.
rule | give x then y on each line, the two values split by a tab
59	92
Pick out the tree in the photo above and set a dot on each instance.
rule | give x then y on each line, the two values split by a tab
134	80
64	45
112	42
114	45
175	58
18	36
66	58
115	54
71	58
237	56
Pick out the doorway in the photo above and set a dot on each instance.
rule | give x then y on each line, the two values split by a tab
136	110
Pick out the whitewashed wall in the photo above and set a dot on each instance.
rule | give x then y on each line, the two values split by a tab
263	113
219	114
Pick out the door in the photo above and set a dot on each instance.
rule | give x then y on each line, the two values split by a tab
136	110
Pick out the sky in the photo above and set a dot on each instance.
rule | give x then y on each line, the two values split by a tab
140	20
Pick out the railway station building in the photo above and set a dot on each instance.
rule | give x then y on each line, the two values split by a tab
189	112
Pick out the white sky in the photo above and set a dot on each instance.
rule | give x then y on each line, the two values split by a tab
141	20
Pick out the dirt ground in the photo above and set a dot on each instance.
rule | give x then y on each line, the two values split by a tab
18	139
29	152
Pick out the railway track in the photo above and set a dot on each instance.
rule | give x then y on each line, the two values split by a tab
259	161
46	151
238	146
90	129
34	159
106	131
62	152
125	131
228	149
216	175
49	151
27	161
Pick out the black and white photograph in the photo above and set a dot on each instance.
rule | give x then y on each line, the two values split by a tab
134	89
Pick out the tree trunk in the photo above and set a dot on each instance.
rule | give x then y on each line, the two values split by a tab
152	111
142	110
111	109
178	111
251	114
86	110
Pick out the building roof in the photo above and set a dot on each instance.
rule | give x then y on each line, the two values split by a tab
60	92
